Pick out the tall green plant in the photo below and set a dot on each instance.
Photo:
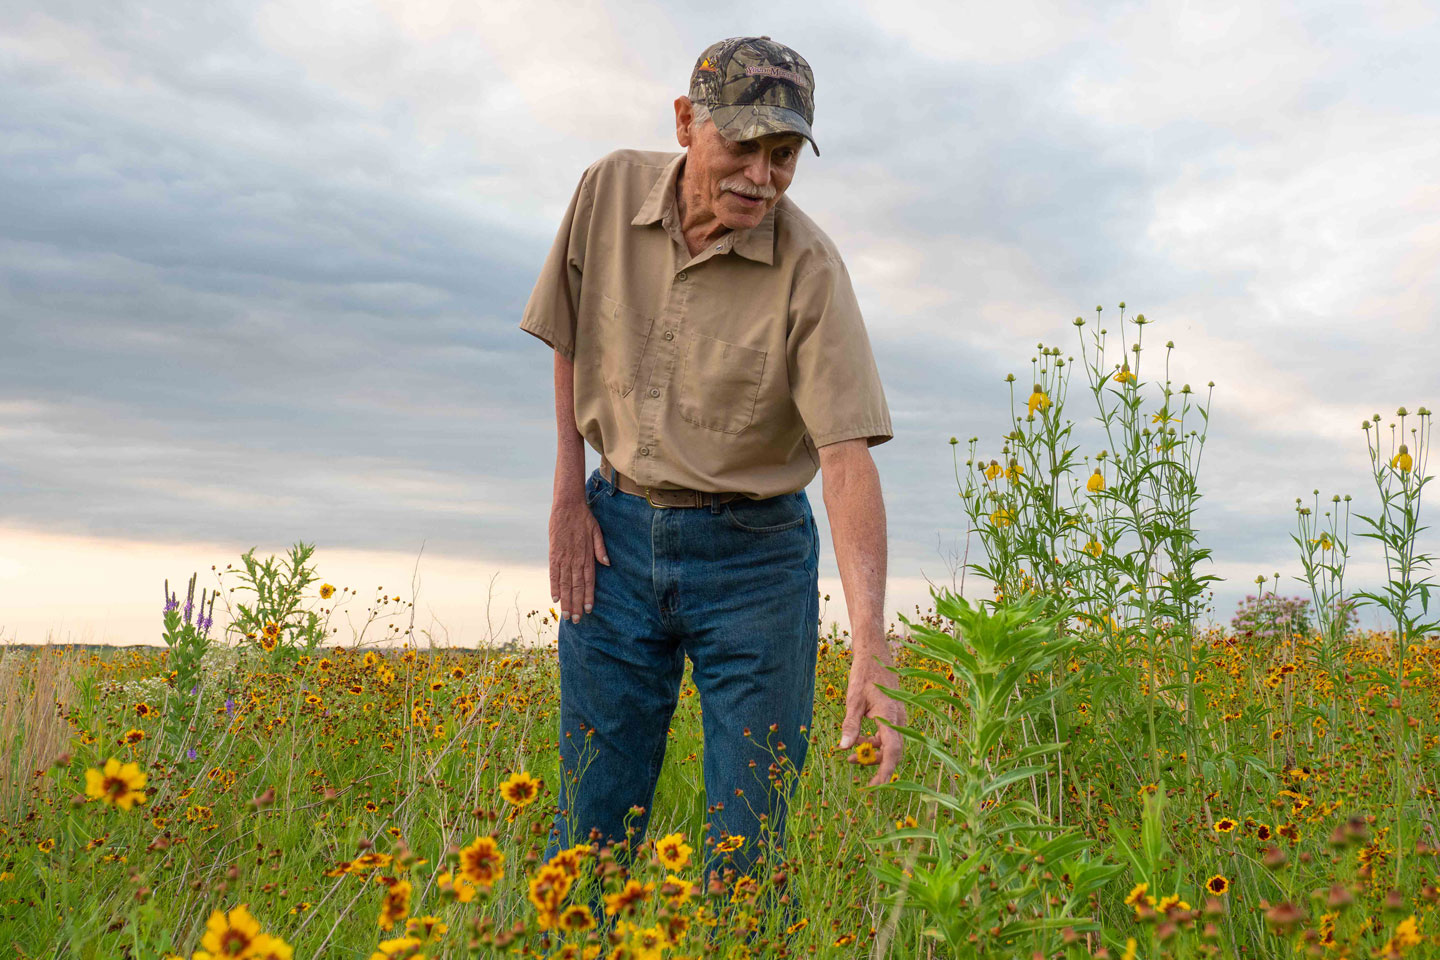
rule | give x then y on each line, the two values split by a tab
986	871
187	635
1399	473
275	619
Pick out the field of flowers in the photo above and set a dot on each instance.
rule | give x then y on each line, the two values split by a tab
1093	768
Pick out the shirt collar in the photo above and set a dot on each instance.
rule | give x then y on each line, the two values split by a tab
757	243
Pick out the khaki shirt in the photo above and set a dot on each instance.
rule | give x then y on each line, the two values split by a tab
720	372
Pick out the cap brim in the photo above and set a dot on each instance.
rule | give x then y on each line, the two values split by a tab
750	121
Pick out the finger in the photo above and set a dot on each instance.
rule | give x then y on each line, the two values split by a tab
850	727
554	577
577	591
890	751
600	546
566	594
589	597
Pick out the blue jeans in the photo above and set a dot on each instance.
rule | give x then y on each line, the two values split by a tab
736	587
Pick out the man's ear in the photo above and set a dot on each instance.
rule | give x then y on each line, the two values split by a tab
684	116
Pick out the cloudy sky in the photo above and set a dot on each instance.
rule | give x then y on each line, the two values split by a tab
262	264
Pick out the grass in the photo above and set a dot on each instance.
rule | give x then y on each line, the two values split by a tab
1091	768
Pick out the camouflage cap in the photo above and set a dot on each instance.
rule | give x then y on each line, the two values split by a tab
754	86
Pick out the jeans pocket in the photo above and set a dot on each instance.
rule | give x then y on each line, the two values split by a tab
770	515
594	486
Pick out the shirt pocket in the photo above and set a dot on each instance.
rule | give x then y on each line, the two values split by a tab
719	384
623	334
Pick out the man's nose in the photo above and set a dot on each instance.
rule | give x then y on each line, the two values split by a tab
758	171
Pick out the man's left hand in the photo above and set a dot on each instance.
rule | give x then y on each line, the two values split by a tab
863	699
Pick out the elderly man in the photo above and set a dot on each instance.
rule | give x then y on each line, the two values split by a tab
709	346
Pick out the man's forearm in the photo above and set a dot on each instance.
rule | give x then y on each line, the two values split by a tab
570	445
856	509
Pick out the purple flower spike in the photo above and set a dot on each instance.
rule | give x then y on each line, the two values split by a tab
190	754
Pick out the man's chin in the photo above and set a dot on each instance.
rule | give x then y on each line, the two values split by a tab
742	219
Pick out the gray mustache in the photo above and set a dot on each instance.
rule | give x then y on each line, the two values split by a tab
747	189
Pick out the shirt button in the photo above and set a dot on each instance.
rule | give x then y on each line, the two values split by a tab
644	451
669	335
681	275
654	391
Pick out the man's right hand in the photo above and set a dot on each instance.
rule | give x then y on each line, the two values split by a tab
576	543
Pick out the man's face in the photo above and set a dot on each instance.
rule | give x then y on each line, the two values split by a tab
737	181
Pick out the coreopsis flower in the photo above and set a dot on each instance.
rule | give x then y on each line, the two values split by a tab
548	889
117	784
231	934
482	862
624	901
267	946
577	918
1096	483
520	788
326	591
1402	461
648	943
730	844
1217	884
1037	401
401	948
865	754
673	851
396	904
426	928
455	886
676	890
1224	825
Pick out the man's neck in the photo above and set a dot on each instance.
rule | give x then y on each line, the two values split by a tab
700	226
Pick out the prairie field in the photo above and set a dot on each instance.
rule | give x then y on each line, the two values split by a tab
1094	766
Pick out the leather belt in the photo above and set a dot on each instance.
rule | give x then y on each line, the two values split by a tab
663	496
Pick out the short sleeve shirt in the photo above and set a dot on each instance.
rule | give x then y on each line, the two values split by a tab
724	371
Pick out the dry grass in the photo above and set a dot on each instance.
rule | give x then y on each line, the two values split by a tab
35	693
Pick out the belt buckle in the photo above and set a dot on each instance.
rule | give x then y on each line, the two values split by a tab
666	506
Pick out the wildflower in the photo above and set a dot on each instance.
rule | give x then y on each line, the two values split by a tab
401	948
1125	376
1130	949
1015	471
143	709
648	943
326	591
117	785
569	859
271	630
482	863
866	754
992	471
844	941
396	904
625	900
673	851
1224	825
730	844
1136	894
548	889
520	788
676	890
232	934
1217	884
1324	541
1094	547
1148	788
426	928
270	947
1401	461
1407	935
1000	517
133	736
1037	400
1096	483
456	886
46	845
